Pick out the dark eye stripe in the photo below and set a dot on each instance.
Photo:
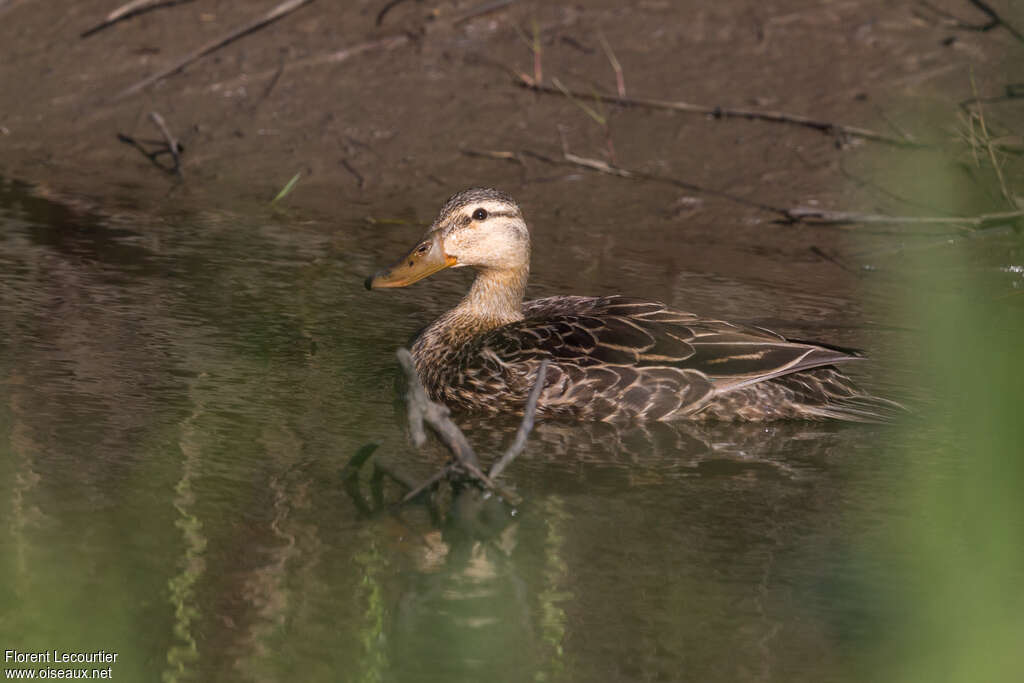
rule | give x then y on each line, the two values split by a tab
492	214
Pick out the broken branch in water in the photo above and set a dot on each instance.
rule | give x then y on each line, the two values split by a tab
436	416
427	483
529	413
128	10
722	112
273	15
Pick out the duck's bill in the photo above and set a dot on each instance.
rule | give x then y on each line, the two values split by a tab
426	258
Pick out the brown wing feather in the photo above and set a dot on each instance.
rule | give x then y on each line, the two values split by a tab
619	357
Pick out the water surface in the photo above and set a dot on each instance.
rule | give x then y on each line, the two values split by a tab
180	395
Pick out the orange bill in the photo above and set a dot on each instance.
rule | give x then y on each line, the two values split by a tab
426	258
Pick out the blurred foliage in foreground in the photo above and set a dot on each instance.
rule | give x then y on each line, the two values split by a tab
953	600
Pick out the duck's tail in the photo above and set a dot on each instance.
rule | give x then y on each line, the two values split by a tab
826	393
821	393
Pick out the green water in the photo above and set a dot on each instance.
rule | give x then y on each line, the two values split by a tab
178	397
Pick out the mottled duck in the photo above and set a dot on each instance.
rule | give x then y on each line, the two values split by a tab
610	357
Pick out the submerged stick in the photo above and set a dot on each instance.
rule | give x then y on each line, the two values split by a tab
433	479
422	409
723	112
436	416
269	17
526	426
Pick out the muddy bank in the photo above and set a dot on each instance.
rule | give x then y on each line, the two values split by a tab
379	113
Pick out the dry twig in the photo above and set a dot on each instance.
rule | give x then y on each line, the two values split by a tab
172	142
269	17
128	10
996	19
568	158
388	6
723	112
986	140
794	215
317	60
825	217
169	145
480	10
620	79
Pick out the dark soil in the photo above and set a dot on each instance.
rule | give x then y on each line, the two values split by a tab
381	120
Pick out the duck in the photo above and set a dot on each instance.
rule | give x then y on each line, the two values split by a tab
608	358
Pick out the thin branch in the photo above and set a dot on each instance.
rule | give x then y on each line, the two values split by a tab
620	79
385	9
825	217
589	111
360	180
820	253
393	475
494	154
422	409
724	112
608	169
987	140
317	60
480	10
431	481
169	145
129	10
997	20
356	462
417	399
535	49
436	416
172	142
269	17
525	427
795	215
951	20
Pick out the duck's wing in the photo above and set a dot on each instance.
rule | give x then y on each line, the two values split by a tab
637	357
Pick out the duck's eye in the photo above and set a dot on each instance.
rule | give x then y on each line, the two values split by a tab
422	249
480	215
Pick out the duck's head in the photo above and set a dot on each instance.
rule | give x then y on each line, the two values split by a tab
481	228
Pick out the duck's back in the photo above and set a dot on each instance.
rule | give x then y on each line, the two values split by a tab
618	358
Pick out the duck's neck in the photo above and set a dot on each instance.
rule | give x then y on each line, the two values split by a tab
495	299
